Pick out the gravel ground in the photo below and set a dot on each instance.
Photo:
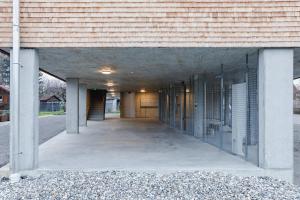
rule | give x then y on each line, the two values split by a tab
146	185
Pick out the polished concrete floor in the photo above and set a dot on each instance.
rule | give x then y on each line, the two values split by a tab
127	144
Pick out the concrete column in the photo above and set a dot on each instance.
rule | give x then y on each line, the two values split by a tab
127	104
24	108
275	79
82	105
198	94
72	118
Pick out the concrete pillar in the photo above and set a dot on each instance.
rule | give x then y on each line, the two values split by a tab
275	80
127	104
82	105
172	106
24	108
198	94
72	115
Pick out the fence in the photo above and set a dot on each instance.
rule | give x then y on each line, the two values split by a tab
51	106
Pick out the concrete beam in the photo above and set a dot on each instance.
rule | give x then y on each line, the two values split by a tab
24	108
82	105
276	110
72	115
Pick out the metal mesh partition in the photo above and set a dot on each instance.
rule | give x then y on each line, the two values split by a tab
230	110
178	106
252	118
212	106
221	108
189	109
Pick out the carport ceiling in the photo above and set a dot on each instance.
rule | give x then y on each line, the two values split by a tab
136	68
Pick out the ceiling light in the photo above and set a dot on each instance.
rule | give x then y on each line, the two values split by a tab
110	84
187	90
143	90
111	90
106	70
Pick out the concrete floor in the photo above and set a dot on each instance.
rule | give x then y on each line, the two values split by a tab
142	145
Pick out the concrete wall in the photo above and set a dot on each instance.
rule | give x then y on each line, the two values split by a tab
127	104
131	23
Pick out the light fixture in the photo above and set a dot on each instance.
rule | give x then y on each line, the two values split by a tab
110	84
106	70
187	90
142	90
111	90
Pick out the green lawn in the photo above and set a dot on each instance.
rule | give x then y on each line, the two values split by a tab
60	112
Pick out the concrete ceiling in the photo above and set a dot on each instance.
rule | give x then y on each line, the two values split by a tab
136	68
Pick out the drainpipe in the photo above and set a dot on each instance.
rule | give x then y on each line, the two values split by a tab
14	95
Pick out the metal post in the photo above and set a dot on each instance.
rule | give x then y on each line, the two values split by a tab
15	92
184	106
222	105
204	109
245	142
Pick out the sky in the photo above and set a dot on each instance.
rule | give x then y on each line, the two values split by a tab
297	82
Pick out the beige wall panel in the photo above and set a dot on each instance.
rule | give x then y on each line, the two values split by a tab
146	105
154	23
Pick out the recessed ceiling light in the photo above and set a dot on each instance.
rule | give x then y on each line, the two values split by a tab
111	90
143	90
110	84
106	70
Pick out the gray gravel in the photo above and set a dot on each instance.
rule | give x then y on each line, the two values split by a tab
146	185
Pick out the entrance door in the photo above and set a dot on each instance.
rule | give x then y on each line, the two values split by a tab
239	118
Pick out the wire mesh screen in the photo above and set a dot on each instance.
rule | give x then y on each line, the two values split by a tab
230	110
213	111
252	119
219	108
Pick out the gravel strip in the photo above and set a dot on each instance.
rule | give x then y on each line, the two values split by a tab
145	185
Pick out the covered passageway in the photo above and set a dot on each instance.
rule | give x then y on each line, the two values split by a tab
180	108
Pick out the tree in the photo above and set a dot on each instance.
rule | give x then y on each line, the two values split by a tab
54	86
4	69
41	85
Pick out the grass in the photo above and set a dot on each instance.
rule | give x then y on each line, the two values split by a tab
60	112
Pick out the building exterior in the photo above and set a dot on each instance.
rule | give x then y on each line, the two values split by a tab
51	103
217	68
